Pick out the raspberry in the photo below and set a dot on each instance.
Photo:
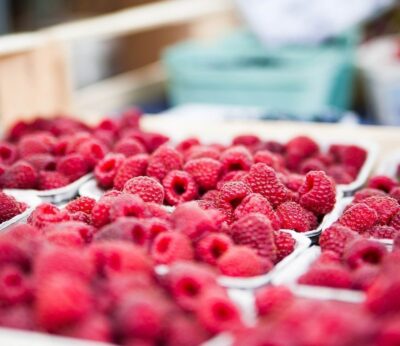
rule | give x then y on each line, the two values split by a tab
73	166
15	287
367	192
336	237
395	193
170	247
364	251
151	141
185	331
269	158
294	181
232	194
262	179
8	153
205	172
383	232
132	167
381	182
106	170
273	299
349	155
212	247
395	222
21	232
148	189
46	214
389	334
9	207
240	261
51	180
363	277
179	187
255	203
162	161
187	144
199	152
42	162
302	144
83	230
217	313
129	147
231	177
62	300
188	281
249	140
340	174
318	193
93	151
285	245
100	214
311	164
21	175
156	225
65	238
383	296
130	118
12	253
158	211
386	207
360	217
236	158
83	204
127	205
329	275
294	217
255	230
36	144
18	317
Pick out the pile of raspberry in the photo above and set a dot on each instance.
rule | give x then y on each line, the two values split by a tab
51	153
10	207
375	210
285	319
107	291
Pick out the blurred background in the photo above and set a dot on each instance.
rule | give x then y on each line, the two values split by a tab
303	60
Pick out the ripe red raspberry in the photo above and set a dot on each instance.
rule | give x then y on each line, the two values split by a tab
367	192
318	193
273	299
285	245
382	182
65	238
262	179
93	151
385	206
247	140
40	143
302	144
293	181
22	232
132	167
341	174
100	214
240	261
205	171
62	300
294	217
232	194
255	231
46	214
269	158
42	162
156	210
231	177
157	225
187	144
13	253
51	180
73	166
395	222
202	151
83	230
236	158
311	164
383	296
210	248
255	203
363	277
106	170
382	232
360	217
15	287
126	205
336	237
83	204
162	161
148	189
150	140
8	153
363	251
170	247
329	275
21	175
395	193
129	147
349	155
179	187
9	207
389	333
217	313
130	118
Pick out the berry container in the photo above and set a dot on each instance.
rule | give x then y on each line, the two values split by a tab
22	196
58	195
389	165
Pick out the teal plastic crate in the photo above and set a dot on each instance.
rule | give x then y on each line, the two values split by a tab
239	71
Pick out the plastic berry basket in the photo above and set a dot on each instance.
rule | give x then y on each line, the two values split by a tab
389	165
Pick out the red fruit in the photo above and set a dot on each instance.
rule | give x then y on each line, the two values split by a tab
62	300
162	161
367	192
269	158
9	207
65	238
42	162
179	187
100	214
205	172
318	193
46	214
51	180
349	155
151	141
294	181
262	179
83	230
395	222
132	167
294	217
363	277
210	248
158	211
329	275
395	193
232	194
81	204
273	299
8	153
383	232
240	261
360	217
148	189
21	175
302	144
202	151
169	247
383	296
341	174
127	205
231	177
247	140
106	170
18	317
15	286
336	237
389	334
130	118
73	166
12	253
38	143
93	151
386	207
364	251
187	144
237	158
184	330
129	147
285	245
255	231
157	225
382	183
311	164
21	232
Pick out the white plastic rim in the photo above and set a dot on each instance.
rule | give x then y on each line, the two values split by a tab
389	165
